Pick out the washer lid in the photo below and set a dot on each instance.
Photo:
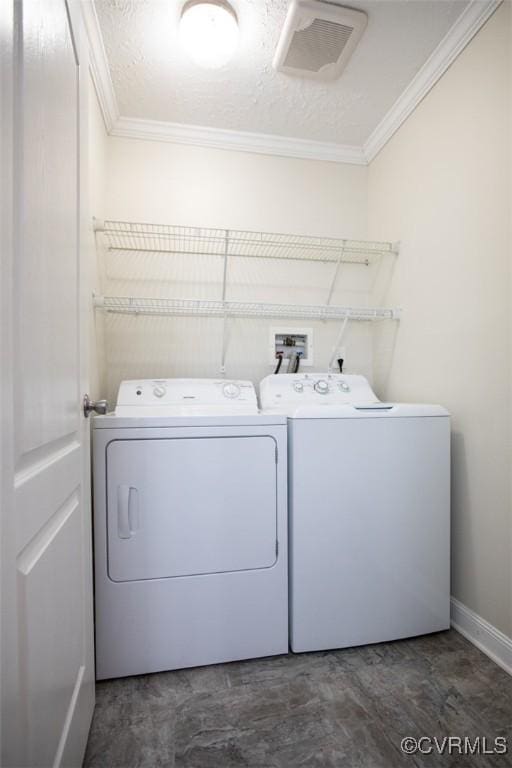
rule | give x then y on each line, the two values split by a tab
185	397
370	411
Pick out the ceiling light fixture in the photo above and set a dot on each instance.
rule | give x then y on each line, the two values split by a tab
209	32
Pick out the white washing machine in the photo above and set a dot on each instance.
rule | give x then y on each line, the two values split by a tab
190	527
369	512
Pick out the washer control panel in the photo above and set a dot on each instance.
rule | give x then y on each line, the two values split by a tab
290	390
181	395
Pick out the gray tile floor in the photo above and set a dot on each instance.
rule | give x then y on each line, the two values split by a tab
341	708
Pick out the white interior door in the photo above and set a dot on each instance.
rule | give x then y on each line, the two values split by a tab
47	649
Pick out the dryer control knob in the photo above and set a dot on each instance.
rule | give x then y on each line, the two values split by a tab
322	387
344	386
159	391
231	390
298	386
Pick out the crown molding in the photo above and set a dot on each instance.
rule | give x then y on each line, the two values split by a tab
239	141
459	35
463	30
98	66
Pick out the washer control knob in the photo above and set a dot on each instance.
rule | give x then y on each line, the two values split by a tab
231	390
322	387
298	386
344	386
159	391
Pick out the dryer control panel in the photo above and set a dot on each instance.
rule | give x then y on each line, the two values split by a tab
288	390
176	396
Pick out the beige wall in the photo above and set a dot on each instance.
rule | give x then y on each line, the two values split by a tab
442	185
165	183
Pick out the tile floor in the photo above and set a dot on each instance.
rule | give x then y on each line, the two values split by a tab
336	709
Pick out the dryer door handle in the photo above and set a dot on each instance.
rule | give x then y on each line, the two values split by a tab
127	511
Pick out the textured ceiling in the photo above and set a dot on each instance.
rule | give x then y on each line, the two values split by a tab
153	79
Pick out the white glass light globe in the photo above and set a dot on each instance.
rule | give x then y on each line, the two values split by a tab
209	32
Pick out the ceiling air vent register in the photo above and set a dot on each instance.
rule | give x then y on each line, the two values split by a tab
318	38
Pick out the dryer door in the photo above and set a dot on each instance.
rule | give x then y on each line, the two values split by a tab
190	506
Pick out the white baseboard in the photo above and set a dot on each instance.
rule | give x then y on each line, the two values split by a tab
496	645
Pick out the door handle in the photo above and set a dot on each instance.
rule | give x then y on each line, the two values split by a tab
127	511
98	406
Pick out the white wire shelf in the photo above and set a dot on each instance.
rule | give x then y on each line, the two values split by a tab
166	238
212	308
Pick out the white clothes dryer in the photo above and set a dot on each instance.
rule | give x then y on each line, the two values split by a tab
369	512
190	527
